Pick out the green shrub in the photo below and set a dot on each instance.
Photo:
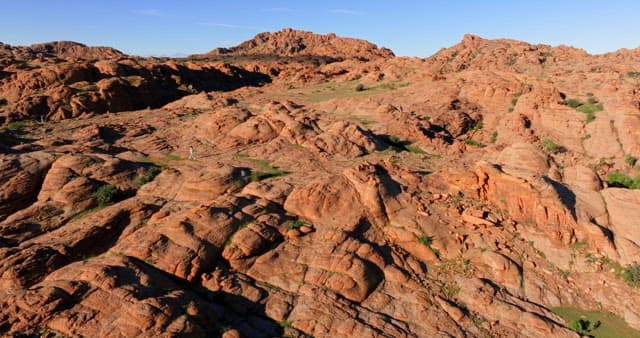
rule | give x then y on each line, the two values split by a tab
105	194
631	275
148	176
494	137
573	103
583	326
15	126
425	240
285	323
295	224
590	108
549	146
172	157
619	179
414	149
259	175
472	142
478	126
360	87
630	160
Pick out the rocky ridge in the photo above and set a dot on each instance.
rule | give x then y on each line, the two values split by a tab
460	195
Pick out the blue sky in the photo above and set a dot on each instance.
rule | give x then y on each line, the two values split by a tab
413	28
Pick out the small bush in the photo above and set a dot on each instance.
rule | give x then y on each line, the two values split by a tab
494	137
395	141
258	175
630	160
360	87
549	146
590	108
619	179
414	149
105	194
633	74
573	103
583	326
15	126
295	224
631	275
478	126
472	142
148	176
425	240
285	323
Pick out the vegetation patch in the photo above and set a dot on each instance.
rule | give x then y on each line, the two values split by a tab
425	240
549	146
333	90
264	171
590	108
598	324
172	157
630	160
631	275
621	180
148	175
86	212
494	137
295	224
104	195
473	142
478	126
395	142
259	175
15	126
285	323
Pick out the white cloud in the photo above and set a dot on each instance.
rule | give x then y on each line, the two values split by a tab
150	12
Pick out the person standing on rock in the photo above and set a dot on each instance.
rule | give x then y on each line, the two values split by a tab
192	153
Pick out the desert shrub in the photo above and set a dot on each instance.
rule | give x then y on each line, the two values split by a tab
414	149
549	146
295	224
631	275
621	180
630	160
105	194
494	137
285	323
573	103
15	126
583	326
360	87
478	126
425	240
259	175
472	142
590	108
148	175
